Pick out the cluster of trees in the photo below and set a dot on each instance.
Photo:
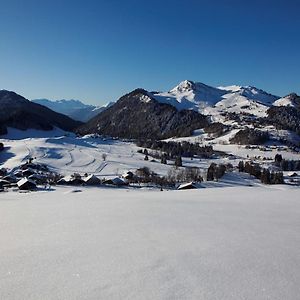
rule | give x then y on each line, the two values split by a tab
171	150
268	177
145	175
1	146
263	174
285	164
184	175
215	172
284	117
216	129
249	136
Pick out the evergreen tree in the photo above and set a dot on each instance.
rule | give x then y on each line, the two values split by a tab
241	166
178	161
211	172
265	176
163	160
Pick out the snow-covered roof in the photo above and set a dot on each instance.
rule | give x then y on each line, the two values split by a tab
24	181
187	185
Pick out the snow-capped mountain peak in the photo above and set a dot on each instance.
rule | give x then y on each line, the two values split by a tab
191	95
215	101
292	100
184	86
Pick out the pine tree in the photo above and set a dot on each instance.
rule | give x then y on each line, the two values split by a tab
163	160
241	166
178	161
211	172
265	176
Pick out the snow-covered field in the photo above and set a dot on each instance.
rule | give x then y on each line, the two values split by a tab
69	154
226	240
222	243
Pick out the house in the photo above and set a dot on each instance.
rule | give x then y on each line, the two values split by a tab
187	186
292	174
39	178
128	175
18	174
71	180
27	172
4	183
116	181
10	178
91	180
26	184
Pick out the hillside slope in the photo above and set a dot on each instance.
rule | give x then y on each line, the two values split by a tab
20	113
139	115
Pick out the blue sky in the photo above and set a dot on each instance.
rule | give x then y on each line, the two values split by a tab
96	51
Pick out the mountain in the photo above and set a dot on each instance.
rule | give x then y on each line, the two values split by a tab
285	113
215	101
292	100
20	113
75	109
191	95
139	115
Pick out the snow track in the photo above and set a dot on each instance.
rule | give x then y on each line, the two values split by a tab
69	154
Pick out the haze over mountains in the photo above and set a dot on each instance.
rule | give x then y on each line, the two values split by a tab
75	109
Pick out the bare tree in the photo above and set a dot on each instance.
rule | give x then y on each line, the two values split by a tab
104	156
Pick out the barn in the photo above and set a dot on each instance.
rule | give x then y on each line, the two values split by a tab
26	184
187	186
91	180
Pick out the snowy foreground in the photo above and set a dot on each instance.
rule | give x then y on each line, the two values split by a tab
221	243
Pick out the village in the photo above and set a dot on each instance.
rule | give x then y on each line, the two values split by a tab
34	176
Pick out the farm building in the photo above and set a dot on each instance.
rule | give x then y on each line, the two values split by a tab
91	180
187	186
116	181
26	184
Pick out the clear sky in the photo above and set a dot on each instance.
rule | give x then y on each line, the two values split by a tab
96	51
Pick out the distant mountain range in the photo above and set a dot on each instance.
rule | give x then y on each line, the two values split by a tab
143	114
75	109
20	113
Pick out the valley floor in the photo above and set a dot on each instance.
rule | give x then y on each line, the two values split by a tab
100	243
